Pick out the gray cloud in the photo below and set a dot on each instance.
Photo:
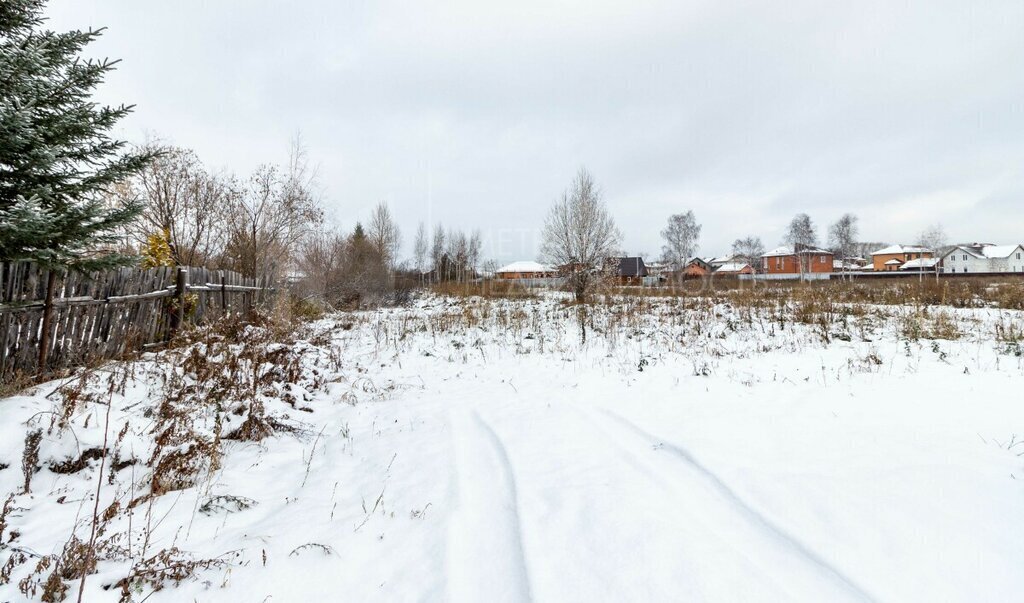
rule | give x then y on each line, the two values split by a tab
478	114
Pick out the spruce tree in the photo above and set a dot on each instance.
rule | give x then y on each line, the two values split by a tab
57	158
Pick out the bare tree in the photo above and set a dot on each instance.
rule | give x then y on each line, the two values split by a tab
384	234
680	236
321	259
420	249
864	249
273	213
802	236
749	249
437	248
458	254
183	203
579	234
842	237
933	238
473	253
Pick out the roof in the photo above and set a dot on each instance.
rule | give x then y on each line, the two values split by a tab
725	259
986	251
894	262
524	267
919	263
733	267
998	251
896	249
788	250
633	266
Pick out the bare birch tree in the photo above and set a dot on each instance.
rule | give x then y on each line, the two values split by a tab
801	235
579	234
681	237
933	238
384	235
842	237
420	248
473	256
437	249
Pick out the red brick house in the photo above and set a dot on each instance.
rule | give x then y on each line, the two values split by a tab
787	261
696	268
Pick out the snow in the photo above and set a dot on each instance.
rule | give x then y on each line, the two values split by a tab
999	251
919	263
476	450
896	249
734	267
524	266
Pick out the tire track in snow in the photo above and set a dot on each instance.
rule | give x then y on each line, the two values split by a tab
772	536
485	553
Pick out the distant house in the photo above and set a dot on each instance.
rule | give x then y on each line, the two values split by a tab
720	261
631	270
525	270
894	256
734	269
983	257
850	265
695	268
789	262
920	265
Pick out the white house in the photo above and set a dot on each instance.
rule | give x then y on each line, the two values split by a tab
983	257
720	261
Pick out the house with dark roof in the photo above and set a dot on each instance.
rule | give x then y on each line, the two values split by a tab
631	270
697	268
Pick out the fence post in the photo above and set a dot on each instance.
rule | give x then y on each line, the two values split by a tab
180	287
223	294
44	339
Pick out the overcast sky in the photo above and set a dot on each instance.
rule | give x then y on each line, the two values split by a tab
477	114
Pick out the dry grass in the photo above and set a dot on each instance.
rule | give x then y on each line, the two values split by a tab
489	289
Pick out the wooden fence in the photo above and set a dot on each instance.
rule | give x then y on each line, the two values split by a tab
51	320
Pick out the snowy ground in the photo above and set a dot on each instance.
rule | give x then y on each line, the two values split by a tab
479	452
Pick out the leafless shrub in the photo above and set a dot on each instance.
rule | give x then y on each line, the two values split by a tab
169	566
5	512
30	457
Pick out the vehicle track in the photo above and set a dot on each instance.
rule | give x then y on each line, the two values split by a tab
485	555
681	474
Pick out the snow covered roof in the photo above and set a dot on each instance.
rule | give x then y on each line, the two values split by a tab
998	251
919	263
788	250
892	249
524	267
894	262
725	259
732	267
987	251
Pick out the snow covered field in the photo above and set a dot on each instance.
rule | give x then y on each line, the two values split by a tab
476	450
